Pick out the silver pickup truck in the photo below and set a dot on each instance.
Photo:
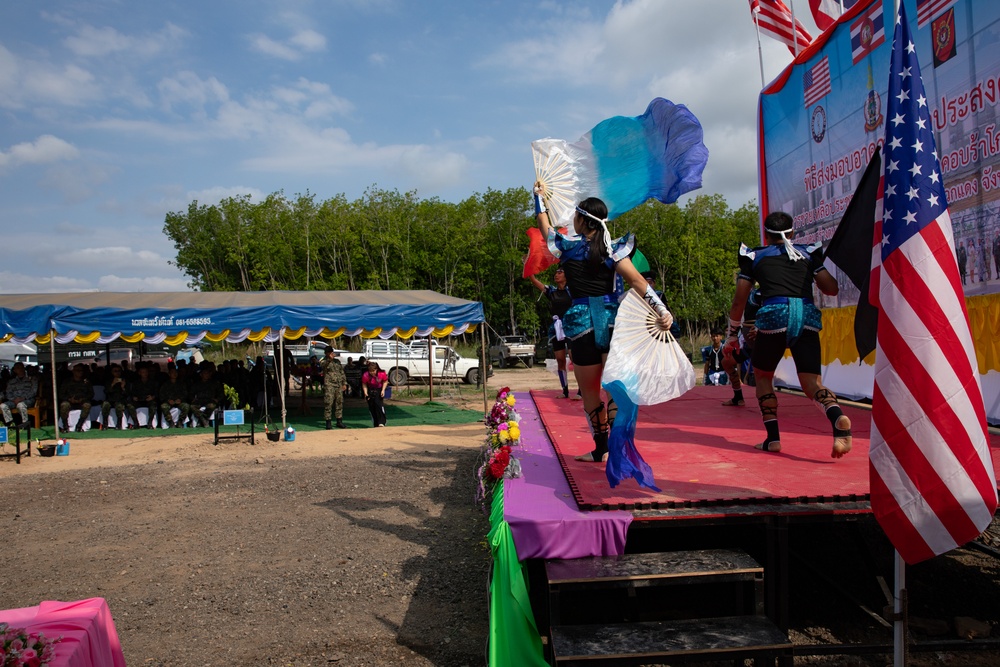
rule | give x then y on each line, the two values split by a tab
512	351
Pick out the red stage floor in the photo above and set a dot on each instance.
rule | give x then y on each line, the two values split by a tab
702	453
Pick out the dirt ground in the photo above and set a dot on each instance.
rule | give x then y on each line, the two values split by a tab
356	547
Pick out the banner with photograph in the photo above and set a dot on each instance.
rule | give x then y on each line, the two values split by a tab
822	119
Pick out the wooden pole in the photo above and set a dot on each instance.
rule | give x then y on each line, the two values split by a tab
430	368
483	374
52	372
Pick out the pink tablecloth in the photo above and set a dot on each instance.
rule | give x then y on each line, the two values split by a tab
88	632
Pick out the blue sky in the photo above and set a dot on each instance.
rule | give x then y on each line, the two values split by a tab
115	113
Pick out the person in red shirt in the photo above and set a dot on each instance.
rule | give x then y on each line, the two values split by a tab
373	384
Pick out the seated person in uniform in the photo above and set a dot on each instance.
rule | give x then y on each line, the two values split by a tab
76	394
115	391
20	394
174	394
206	396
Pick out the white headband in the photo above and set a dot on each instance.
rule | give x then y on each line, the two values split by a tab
606	235
790	250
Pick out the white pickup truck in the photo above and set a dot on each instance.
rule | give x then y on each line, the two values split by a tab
402	362
512	350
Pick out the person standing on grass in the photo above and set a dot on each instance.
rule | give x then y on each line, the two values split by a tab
334	386
373	384
787	319
560	301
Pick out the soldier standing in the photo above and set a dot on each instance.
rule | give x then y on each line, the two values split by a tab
334	386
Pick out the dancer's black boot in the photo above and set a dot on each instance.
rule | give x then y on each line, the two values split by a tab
600	431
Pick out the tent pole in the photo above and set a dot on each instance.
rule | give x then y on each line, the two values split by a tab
281	360
899	626
52	372
483	372
430	367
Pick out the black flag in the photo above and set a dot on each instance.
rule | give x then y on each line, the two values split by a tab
851	250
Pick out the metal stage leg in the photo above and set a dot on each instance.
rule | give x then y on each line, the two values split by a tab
776	576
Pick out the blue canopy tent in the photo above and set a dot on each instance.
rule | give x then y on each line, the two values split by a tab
175	318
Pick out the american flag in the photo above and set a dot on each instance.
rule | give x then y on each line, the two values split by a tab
775	19
928	9
825	12
867	32
932	481
816	82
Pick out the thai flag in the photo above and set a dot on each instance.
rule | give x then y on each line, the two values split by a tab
933	486
816	82
928	9
867	32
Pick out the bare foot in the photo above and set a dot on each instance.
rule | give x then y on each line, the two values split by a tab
773	446
733	402
841	437
589	457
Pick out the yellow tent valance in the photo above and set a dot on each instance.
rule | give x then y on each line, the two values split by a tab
838	342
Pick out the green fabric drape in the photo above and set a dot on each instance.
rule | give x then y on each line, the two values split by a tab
514	639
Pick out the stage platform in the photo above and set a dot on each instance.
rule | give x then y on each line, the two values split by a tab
703	460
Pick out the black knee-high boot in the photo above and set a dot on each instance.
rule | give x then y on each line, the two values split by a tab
600	433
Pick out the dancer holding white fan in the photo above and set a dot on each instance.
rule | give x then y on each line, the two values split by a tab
621	163
590	259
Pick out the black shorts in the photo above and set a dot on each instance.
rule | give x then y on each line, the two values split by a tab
769	348
585	351
558	344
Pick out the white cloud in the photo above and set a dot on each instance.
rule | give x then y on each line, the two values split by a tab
308	40
29	83
13	282
188	89
378	58
77	182
95	42
114	283
44	150
293	48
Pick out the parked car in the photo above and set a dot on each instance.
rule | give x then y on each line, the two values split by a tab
512	350
11	353
190	355
159	357
402	362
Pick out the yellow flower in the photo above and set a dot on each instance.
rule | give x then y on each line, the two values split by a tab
515	433
504	437
511	400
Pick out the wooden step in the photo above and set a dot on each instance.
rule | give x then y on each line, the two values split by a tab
664	568
731	637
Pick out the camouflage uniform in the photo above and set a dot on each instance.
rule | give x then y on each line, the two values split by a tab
334	380
174	394
77	394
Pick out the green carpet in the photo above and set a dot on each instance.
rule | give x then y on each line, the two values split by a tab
425	414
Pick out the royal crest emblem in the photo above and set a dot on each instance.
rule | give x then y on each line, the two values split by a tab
818	124
873	111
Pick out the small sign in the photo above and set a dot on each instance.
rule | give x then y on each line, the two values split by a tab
232	417
3	434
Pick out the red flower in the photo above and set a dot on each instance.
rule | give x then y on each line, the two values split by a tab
497	469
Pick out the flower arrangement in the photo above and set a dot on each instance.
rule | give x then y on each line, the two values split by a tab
19	648
503	433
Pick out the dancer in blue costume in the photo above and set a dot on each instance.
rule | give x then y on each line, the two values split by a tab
560	301
788	319
591	261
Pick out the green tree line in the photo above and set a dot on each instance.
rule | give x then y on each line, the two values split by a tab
473	249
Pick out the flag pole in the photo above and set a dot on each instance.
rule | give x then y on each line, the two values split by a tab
899	615
795	28
760	53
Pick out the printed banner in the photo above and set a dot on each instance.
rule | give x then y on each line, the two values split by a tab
812	158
